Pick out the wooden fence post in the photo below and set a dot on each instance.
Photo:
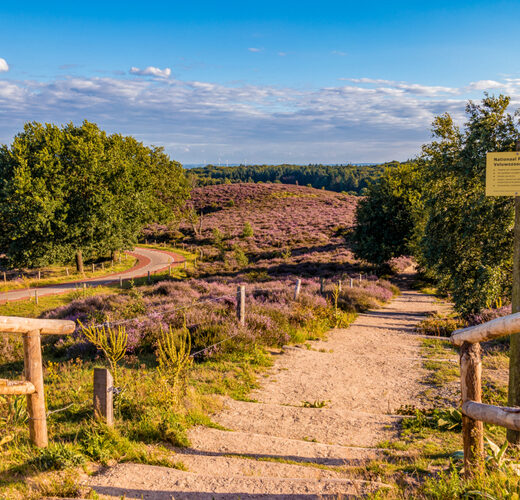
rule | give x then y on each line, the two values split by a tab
339	286
241	304
67	271
149	277
297	288
322	286
120	282
36	296
471	390
104	395
169	269
351	283
36	401
39	275
5	278
93	267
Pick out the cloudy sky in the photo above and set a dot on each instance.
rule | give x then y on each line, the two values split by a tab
284	81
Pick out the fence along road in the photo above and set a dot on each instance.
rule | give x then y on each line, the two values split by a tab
149	261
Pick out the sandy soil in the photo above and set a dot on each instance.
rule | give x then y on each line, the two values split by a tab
361	374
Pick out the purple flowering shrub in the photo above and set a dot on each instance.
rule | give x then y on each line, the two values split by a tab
273	318
486	315
264	235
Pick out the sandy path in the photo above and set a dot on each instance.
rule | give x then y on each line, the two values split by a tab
362	373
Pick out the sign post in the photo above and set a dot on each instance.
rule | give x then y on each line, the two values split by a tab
503	179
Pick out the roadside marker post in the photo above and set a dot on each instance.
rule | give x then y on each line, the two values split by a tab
503	179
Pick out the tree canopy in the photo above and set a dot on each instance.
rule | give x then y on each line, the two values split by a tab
460	238
384	218
77	189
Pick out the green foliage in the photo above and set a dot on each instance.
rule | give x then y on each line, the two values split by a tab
240	257
173	356
448	419
315	404
111	341
75	188
57	456
385	218
437	210
463	238
247	231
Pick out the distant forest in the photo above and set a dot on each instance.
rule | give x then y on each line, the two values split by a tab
351	179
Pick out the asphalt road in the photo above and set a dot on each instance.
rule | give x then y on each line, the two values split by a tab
149	260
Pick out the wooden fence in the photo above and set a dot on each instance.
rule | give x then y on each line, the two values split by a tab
32	386
474	412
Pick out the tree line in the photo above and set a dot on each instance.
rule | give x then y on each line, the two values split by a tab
351	179
75	192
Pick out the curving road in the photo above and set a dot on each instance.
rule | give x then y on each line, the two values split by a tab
148	261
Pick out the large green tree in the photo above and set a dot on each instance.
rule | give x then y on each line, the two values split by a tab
464	239
75	190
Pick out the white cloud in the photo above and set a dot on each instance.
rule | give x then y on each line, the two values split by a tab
151	71
339	53
3	65
364	120
282	54
254	49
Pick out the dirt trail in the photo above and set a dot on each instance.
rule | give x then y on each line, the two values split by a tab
279	449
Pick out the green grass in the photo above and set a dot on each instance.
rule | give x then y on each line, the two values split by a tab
29	309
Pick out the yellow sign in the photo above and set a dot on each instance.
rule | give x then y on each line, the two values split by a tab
503	174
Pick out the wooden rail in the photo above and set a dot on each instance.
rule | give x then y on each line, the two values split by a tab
32	329
474	412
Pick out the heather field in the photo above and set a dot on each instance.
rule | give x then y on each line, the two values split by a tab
273	229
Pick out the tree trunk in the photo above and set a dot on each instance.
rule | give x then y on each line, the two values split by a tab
79	261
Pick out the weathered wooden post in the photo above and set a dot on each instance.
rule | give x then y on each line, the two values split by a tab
297	288
67	271
360	277
471	390
39	275
93	267
322	286
120	282
351	283
241	304
5	278
104	395
149	277
36	401
36	297
169	269
102	266
339	286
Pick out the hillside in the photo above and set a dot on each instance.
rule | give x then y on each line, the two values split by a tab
295	229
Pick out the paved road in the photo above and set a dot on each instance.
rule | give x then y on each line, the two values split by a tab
149	260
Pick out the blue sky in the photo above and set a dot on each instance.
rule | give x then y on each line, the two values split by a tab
265	82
